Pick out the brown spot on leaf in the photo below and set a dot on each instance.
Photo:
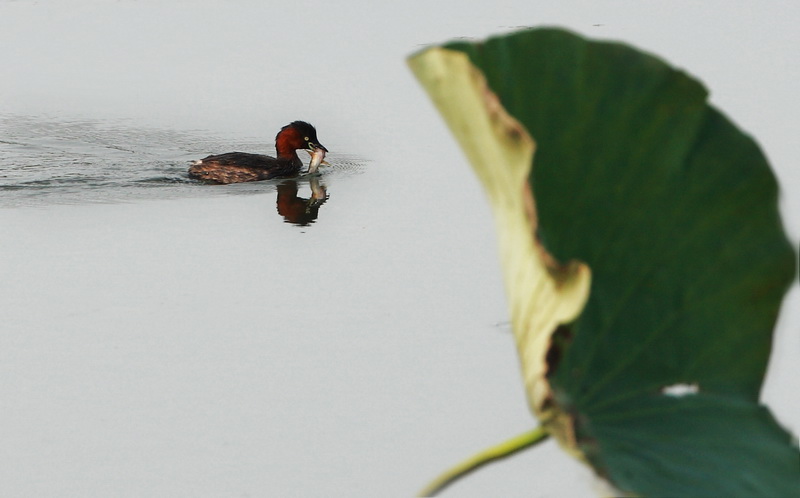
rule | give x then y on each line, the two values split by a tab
560	272
559	342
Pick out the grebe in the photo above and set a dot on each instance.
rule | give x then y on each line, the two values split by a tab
236	167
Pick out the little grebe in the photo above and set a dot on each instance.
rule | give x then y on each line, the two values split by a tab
236	167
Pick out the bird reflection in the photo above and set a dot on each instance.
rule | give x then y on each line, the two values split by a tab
299	210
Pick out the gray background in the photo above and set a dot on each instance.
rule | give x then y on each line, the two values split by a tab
199	346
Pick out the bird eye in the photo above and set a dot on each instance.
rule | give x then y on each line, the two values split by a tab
306	139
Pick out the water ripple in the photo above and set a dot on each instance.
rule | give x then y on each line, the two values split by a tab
46	161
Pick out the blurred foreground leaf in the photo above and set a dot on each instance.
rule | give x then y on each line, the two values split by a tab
644	257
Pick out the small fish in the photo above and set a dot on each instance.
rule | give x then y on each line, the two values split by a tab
317	158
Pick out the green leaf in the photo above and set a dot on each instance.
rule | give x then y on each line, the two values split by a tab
644	257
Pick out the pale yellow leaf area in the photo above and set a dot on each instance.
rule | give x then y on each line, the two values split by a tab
542	293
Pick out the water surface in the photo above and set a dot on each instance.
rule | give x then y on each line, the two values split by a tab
44	161
160	337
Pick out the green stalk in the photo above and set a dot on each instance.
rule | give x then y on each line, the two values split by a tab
489	455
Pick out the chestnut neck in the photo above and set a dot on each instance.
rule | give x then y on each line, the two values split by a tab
287	142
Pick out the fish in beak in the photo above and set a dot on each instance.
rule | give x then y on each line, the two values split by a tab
317	157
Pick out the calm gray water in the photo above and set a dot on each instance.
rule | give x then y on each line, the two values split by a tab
160	337
45	162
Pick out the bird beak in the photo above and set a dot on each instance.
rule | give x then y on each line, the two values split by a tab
317	146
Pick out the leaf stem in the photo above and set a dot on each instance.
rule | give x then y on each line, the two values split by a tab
489	455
